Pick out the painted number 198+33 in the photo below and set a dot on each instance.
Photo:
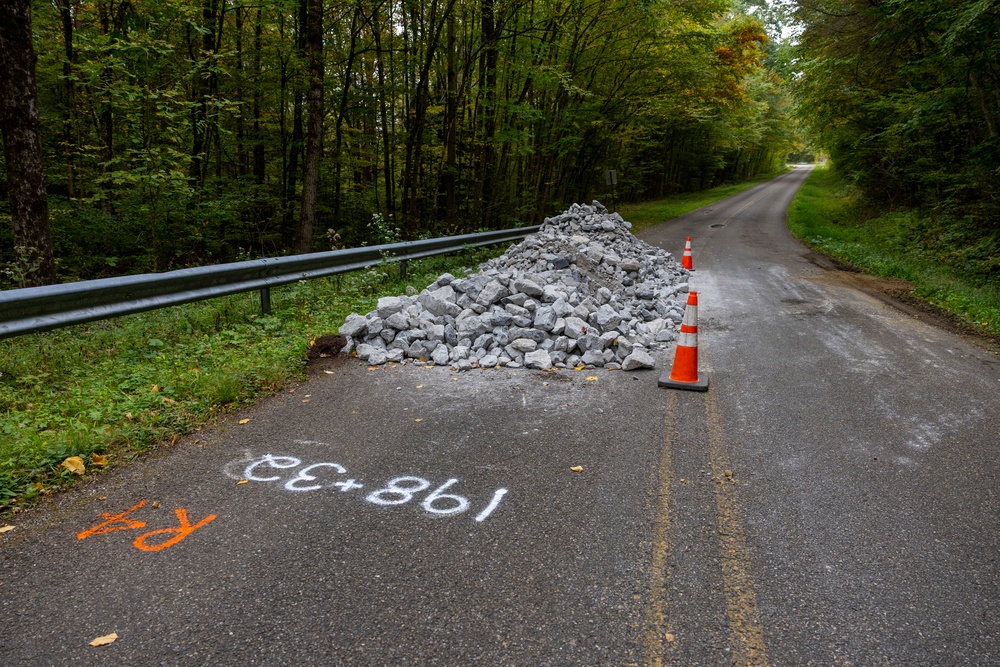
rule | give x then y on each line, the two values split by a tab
397	491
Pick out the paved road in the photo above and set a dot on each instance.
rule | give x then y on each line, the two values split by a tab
830	500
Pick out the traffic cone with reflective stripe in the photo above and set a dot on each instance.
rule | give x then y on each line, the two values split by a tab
686	261
684	374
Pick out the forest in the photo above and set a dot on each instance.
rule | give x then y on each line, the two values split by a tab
184	132
905	97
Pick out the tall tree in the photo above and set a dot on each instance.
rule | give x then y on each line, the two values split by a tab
19	122
314	130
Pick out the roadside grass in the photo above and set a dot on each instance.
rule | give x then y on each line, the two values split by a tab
949	263
112	389
647	214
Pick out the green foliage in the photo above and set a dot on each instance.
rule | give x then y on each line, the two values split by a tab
123	386
173	136
951	262
906	98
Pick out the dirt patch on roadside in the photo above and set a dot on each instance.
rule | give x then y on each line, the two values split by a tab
898	293
323	352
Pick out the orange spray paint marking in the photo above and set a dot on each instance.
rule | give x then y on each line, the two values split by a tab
179	533
112	519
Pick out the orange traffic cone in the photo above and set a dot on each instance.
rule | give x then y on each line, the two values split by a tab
685	371
686	261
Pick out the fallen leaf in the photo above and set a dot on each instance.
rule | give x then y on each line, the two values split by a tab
420	386
591	378
306	400
291	391
174	440
418	420
580	368
242	481
670	637
6	529
105	640
373	368
329	372
169	400
244	421
98	460
155	505
155	389
577	468
102	497
74	464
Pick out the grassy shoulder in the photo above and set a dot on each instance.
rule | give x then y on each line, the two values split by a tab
950	263
109	390
647	214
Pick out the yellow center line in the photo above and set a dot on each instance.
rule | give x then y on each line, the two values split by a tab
746	635
658	638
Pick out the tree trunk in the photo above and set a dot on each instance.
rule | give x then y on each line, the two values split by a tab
314	131
450	175
384	102
19	123
488	74
259	172
345	92
69	98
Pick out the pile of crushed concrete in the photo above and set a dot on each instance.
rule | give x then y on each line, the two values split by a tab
582	291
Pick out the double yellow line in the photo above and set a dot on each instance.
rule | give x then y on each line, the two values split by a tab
746	635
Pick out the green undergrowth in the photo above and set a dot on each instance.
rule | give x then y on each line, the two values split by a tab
647	214
950	263
119	387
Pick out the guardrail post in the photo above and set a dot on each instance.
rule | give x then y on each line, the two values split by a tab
402	269
265	300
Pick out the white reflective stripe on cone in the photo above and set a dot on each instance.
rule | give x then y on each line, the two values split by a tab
688	340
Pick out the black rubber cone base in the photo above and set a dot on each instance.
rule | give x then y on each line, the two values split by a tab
700	385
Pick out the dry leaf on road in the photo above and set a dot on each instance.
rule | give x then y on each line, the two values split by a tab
6	529
577	468
98	460
105	640
244	421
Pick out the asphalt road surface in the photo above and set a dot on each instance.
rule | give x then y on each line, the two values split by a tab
831	500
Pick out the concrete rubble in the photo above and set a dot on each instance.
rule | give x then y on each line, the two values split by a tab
582	291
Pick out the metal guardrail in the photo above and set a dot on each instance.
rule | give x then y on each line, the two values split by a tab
41	308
